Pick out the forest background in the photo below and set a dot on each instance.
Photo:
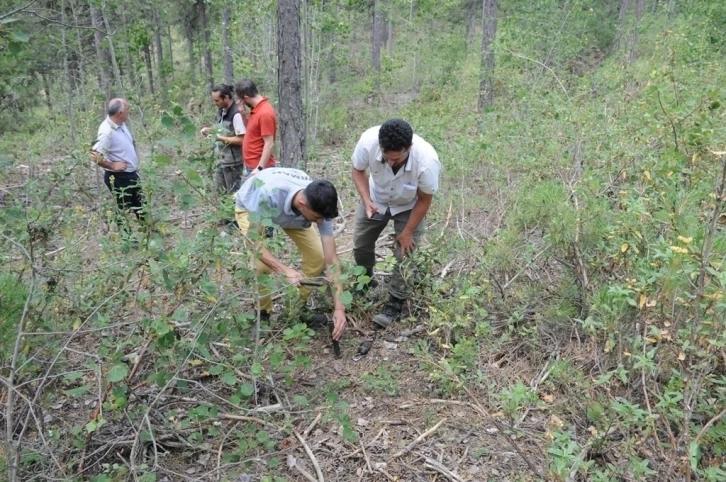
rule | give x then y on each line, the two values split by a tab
569	318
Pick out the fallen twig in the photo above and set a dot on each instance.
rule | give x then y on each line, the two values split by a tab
312	425
311	455
438	467
243	418
419	439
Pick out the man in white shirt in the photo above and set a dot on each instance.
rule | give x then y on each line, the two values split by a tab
404	175
230	135
115	151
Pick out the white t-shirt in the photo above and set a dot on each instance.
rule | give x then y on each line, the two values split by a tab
397	192
239	125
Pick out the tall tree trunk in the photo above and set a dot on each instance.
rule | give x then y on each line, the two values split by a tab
206	52
489	34
46	90
639	9
389	36
622	26
226	44
101	69
291	111
69	81
192	59
170	51
112	53
159	52
471	8
128	55
377	33
149	70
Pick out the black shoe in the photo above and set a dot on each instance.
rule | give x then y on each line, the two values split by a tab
391	313
265	315
314	320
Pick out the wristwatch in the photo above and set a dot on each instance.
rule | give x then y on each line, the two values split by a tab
259	168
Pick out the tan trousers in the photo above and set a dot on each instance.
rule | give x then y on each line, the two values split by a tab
309	244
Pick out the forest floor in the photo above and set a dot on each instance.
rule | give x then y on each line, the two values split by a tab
407	430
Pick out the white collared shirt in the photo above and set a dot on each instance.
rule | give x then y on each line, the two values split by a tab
397	192
116	143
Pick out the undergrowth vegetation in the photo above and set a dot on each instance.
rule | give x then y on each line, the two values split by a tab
571	286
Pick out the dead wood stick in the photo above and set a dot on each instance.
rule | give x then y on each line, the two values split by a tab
419	439
412	331
438	467
312	425
243	418
311	455
304	473
368	461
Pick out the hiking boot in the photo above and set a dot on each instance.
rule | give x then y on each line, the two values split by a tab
314	320
265	315
391	312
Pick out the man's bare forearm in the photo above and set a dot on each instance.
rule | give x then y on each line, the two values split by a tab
361	185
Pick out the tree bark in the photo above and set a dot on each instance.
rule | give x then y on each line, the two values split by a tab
377	33
489	34
622	17
69	81
128	54
149	69
192	59
291	112
206	53
159	51
227	44
101	70
639	9
112	53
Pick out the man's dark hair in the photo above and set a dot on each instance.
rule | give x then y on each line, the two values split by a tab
322	198
246	87
223	89
395	135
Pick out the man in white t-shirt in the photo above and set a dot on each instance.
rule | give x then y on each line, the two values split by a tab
404	175
230	131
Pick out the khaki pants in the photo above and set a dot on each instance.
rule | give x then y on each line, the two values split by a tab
365	236
309	244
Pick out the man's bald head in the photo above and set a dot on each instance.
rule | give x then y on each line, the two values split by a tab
118	110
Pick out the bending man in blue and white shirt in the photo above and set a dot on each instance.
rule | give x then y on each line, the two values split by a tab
293	201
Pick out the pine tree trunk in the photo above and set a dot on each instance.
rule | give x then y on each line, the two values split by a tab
192	59
69	85
206	52
128	55
159	52
170	51
376	42
149	70
112	52
226	44
291	112
489	34
639	9
101	69
622	26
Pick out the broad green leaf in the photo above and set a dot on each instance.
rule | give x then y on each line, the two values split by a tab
246	390
178	110
167	121
216	370
346	298
162	160
229	378
117	373
77	392
14	48
20	37
256	369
